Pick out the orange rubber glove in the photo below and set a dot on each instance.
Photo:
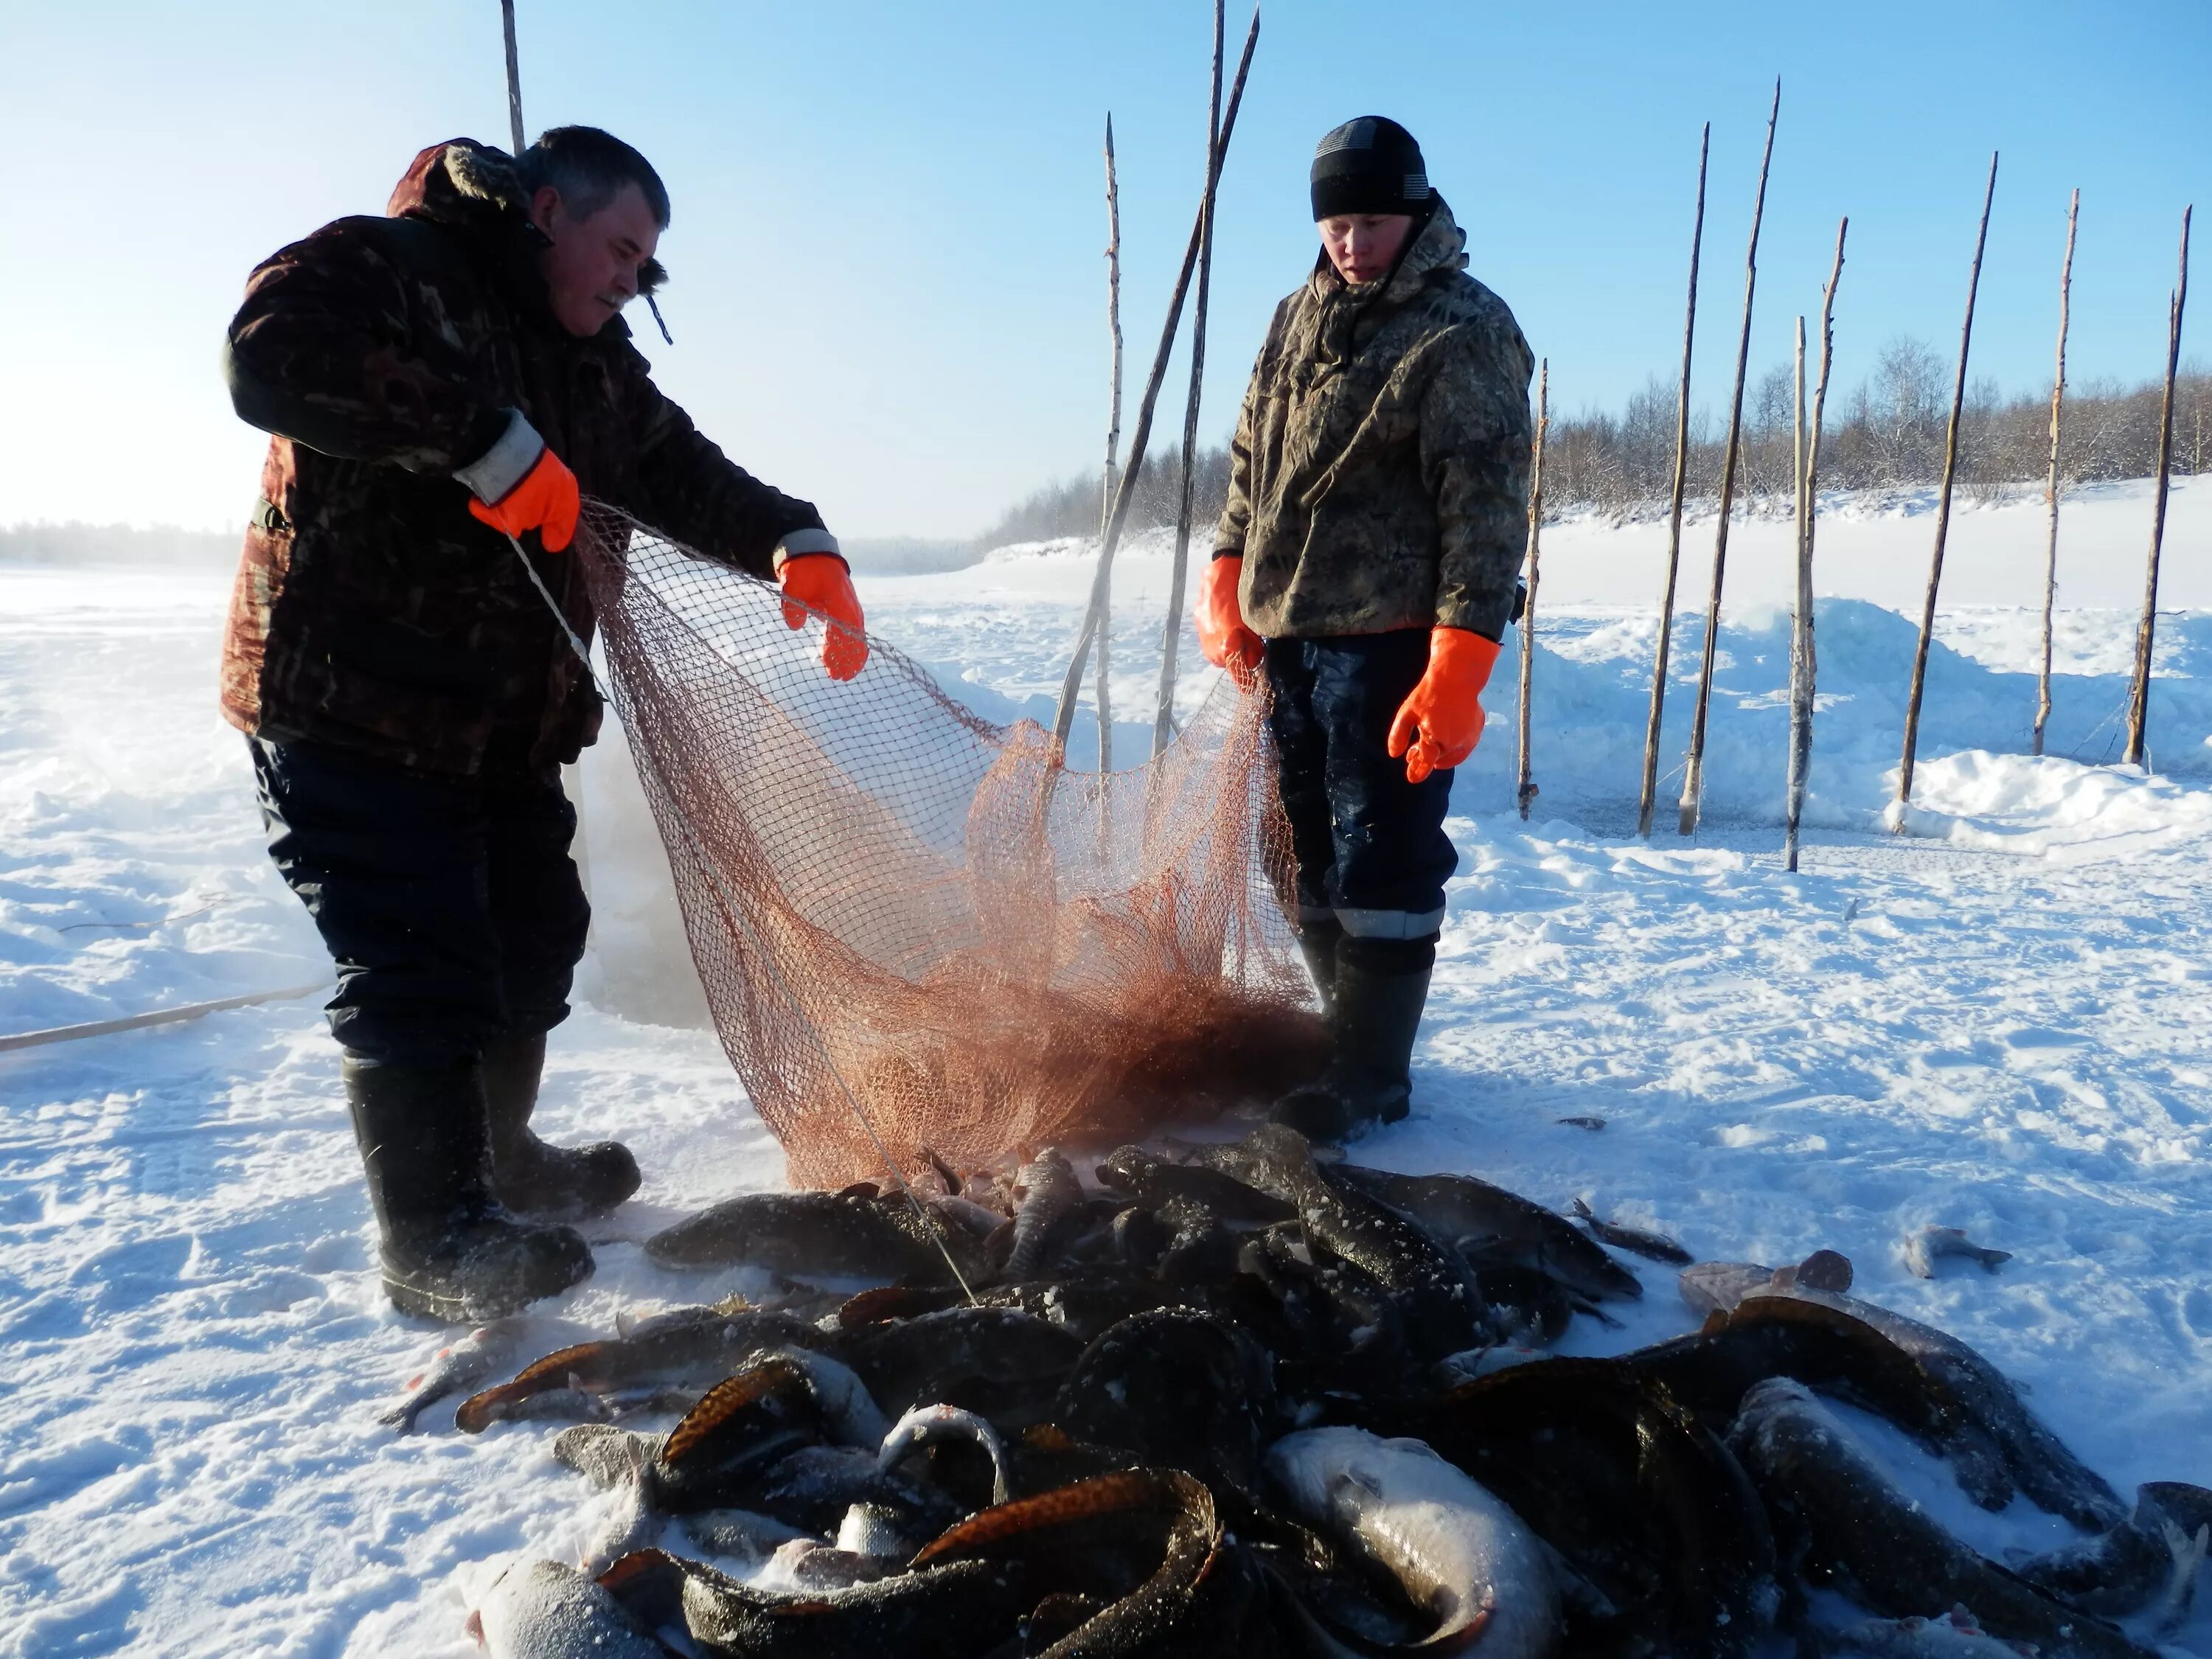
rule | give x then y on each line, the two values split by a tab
545	500
1221	634
821	581
1441	720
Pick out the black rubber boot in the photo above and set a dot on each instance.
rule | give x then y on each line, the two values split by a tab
1318	937
556	1183
1369	1077
449	1251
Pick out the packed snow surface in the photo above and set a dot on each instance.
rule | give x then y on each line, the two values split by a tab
2000	1021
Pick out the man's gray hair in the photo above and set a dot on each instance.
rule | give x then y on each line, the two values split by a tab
590	168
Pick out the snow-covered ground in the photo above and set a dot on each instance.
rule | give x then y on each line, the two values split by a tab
2002	1023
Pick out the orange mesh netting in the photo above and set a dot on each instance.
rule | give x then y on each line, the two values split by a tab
990	950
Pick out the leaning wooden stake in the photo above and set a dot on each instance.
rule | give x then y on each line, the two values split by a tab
2139	696
1071	681
1804	661
1527	791
513	78
1113	446
1650	789
1942	516
2050	488
1171	633
1693	773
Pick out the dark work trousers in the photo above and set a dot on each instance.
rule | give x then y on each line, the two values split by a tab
1372	848
450	905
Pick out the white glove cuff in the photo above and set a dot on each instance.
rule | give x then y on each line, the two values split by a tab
494	474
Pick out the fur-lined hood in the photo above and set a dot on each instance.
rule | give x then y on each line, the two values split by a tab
462	183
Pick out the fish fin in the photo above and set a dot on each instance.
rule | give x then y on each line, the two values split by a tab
1104	1494
1360	1480
2179	1594
1469	1634
946	1172
724	1400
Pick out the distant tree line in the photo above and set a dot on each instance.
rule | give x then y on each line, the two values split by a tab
1075	506
1886	433
75	543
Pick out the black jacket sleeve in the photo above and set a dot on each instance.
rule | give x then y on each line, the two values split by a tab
325	351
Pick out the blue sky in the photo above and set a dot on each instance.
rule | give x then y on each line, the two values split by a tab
888	294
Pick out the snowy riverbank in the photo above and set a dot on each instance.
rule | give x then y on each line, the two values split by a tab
2006	1028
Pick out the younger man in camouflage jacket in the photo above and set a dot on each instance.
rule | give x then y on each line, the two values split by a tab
439	380
1366	563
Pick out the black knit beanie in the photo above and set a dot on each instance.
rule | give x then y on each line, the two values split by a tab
1372	165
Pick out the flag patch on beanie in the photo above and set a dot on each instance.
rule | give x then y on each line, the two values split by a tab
1369	165
1352	134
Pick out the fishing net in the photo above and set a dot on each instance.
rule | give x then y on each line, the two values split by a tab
906	918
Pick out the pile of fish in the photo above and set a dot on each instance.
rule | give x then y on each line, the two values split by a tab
1244	1399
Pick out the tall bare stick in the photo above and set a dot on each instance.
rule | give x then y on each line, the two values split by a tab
1804	661
2051	488
514	78
1693	774
1116	520
1942	511
1801	629
2139	697
1113	446
1675	511
1527	791
1113	324
1171	633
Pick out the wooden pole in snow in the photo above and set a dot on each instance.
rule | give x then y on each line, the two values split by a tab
572	774
1113	326
1071	681
1943	513
2050	487
1113	445
1527	792
1801	618
159	1017
1650	790
1804	661
1171	633
2139	697
1693	774
513	78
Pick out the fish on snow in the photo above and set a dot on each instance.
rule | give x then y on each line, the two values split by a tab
1457	1549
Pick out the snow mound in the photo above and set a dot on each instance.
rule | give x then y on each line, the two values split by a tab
2052	807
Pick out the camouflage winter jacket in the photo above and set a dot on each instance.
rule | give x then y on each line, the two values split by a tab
371	611
1379	478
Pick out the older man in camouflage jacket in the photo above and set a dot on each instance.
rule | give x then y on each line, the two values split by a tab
1366	565
442	383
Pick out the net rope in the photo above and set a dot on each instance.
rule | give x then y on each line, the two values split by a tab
917	929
